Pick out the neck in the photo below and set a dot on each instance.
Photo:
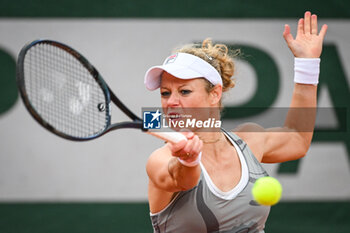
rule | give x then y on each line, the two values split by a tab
211	137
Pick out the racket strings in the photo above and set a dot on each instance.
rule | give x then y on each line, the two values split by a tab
63	92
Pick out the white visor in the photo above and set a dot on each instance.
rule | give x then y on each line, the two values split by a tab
182	66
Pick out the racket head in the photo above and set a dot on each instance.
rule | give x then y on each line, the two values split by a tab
63	91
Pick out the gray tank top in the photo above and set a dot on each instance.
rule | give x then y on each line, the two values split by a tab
205	208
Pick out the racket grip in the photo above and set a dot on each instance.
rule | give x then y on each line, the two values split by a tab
172	137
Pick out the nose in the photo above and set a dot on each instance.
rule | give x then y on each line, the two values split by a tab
173	100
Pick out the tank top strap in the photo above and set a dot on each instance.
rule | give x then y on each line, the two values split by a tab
237	139
255	168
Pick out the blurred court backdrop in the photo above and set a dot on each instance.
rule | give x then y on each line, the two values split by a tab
48	184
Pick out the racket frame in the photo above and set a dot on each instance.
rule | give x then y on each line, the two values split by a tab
108	93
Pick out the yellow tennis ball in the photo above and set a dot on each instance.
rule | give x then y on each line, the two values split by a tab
267	191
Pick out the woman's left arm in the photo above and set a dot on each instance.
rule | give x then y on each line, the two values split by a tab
293	140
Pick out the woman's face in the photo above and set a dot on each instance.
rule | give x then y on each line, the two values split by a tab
179	93
180	96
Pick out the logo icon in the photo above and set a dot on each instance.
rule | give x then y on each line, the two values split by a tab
151	119
171	59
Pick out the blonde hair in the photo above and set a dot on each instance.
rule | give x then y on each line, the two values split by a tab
216	55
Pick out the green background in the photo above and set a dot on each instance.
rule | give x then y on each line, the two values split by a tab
320	217
134	217
174	9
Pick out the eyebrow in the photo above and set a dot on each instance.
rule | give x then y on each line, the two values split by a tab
183	85
178	87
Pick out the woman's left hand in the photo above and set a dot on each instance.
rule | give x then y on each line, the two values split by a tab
308	43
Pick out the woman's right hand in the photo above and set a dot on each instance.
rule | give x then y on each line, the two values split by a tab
187	150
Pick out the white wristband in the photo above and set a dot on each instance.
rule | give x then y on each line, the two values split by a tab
193	163
306	70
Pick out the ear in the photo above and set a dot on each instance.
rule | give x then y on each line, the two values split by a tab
215	95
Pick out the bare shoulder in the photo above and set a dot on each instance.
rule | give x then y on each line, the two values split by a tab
158	157
254	135
248	127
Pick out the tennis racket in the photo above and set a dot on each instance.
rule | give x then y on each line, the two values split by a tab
67	95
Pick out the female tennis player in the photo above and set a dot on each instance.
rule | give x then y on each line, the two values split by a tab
204	184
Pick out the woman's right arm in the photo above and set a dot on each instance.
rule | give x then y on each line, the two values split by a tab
165	171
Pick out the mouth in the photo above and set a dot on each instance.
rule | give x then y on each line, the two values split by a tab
174	116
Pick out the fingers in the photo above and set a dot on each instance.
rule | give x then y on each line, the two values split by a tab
309	25
287	35
308	42
314	24
312	21
187	150
188	134
193	147
176	148
323	31
300	30
307	22
306	25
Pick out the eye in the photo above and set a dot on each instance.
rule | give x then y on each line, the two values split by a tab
185	92
165	93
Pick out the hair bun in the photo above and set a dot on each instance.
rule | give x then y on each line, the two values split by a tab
222	61
218	56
